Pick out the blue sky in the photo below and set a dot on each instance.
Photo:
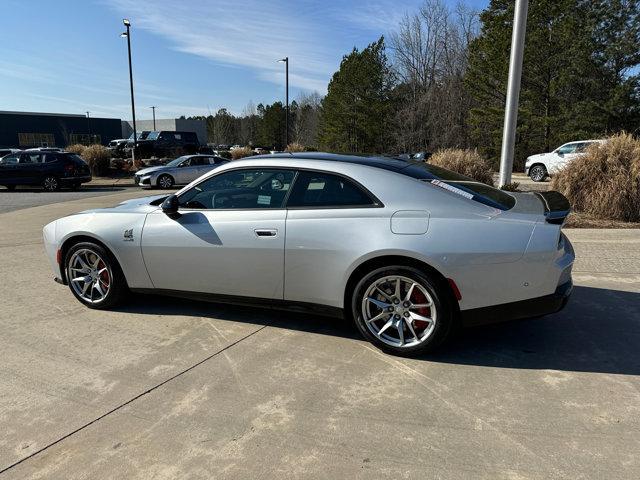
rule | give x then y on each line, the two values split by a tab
190	56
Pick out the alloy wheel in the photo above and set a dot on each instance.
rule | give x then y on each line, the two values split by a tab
537	173
165	182
399	311
89	275
50	184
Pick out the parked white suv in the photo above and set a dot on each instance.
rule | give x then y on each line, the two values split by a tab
542	165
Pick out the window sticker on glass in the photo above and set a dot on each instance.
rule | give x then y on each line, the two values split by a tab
451	188
264	200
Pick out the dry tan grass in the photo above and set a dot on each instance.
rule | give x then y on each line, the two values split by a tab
98	157
295	147
76	148
605	182
466	162
242	152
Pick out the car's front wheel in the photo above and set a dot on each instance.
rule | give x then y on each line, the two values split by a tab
538	173
402	310
94	276
165	181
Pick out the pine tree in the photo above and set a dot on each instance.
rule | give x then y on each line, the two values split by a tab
356	108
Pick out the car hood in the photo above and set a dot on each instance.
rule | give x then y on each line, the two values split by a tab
148	170
537	155
139	205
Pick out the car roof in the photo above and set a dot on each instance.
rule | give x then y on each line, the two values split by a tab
392	164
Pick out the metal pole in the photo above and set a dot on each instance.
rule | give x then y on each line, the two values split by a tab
133	106
153	109
287	99
89	126
513	91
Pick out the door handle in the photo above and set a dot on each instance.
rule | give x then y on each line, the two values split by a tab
269	232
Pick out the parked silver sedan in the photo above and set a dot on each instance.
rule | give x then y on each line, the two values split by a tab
180	171
407	250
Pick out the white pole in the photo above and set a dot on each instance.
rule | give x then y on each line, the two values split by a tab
513	91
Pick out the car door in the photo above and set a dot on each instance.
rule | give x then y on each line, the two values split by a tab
187	171
561	156
228	238
9	169
30	168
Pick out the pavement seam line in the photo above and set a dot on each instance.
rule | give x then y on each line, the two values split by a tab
131	400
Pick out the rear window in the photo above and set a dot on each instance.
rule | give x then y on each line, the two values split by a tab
75	158
461	184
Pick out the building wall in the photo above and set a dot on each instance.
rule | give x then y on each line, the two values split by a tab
25	129
168	124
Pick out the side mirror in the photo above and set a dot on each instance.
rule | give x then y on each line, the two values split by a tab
170	206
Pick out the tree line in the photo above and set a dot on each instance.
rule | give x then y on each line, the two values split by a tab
439	81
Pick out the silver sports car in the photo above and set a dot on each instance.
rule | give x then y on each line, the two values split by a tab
180	171
406	249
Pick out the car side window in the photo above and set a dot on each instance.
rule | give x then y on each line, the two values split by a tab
9	160
30	158
240	189
565	149
316	189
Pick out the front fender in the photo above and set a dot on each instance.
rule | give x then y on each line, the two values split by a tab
121	233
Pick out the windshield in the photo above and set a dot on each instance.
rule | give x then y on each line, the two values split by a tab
176	162
152	136
461	184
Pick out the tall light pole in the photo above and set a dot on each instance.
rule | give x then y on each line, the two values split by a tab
127	34
89	126
153	109
286	135
513	92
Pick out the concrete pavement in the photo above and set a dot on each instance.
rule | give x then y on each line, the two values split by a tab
165	388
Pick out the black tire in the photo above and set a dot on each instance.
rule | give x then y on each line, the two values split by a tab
538	173
165	182
441	302
51	184
117	285
75	186
11	188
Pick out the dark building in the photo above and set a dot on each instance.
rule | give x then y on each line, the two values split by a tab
26	129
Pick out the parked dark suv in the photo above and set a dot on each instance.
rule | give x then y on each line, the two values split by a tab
166	144
51	170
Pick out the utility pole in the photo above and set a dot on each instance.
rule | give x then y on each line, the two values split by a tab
153	109
513	92
286	134
89	126
127	34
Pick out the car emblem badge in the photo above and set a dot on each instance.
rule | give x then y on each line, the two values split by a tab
128	235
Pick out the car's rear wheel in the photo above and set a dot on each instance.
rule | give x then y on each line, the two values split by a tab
538	173
94	276
402	310
75	186
165	181
51	184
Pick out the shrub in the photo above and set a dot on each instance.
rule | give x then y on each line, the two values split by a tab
466	162
605	182
76	148
241	152
510	187
98	158
295	147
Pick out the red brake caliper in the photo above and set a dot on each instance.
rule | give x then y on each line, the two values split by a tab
417	297
104	276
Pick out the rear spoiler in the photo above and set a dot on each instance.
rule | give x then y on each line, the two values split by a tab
556	206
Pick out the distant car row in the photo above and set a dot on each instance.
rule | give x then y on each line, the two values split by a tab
156	144
47	167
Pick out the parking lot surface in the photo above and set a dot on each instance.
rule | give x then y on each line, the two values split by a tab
165	388
33	197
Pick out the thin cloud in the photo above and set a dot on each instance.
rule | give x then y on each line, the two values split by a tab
253	34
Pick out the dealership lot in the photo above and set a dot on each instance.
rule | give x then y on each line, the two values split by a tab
167	388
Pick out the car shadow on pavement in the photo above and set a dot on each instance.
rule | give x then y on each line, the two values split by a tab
598	331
